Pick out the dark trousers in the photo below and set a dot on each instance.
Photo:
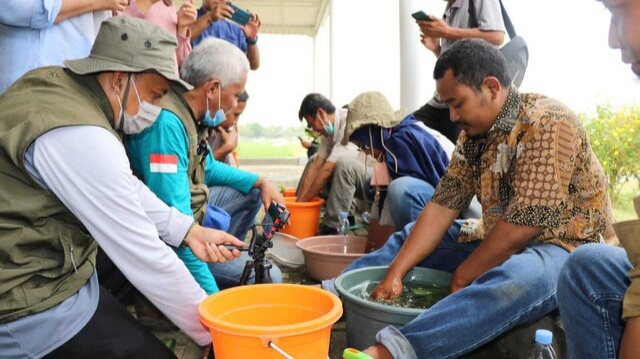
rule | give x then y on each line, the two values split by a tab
112	280
112	333
439	120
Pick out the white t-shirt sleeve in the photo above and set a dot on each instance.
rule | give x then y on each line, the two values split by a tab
172	225
87	169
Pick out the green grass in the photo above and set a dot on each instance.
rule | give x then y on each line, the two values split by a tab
263	148
623	206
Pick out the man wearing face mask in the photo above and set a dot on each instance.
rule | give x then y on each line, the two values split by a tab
179	138
334	163
67	187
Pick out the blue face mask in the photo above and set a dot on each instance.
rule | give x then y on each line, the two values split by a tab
218	118
328	127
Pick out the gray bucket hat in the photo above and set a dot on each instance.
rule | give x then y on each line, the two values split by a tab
370	108
128	44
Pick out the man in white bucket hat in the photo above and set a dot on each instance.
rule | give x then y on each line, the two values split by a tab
67	187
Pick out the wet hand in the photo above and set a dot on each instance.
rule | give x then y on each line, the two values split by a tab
389	288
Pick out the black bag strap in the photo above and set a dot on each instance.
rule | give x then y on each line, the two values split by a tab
473	21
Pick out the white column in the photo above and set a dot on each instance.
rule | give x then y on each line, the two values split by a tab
416	62
332	53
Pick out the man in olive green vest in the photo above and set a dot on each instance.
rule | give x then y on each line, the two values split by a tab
67	187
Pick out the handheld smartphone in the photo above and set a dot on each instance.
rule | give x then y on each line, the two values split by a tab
241	17
276	216
421	16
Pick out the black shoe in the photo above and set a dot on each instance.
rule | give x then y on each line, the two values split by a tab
326	230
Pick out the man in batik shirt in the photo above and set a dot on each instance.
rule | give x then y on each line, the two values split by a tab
543	193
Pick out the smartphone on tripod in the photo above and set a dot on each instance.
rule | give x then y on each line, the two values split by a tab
274	219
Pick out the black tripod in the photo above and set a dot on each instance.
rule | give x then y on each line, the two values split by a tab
276	217
258	263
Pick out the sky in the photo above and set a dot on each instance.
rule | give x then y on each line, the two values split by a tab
569	58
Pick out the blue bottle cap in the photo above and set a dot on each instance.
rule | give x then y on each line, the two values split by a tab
544	337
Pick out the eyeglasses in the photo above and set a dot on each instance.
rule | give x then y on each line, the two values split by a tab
203	150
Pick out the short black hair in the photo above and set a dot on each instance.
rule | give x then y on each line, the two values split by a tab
473	60
244	96
312	102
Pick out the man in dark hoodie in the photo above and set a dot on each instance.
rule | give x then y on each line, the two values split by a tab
408	155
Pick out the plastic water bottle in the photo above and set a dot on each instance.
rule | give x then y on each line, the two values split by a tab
343	223
541	348
366	217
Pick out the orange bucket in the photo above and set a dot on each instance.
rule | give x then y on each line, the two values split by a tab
289	192
305	217
251	321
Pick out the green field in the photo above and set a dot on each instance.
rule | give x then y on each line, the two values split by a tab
264	148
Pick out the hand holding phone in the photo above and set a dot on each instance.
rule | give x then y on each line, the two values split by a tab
241	17
421	16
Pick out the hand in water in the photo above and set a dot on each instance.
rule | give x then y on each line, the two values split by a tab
389	287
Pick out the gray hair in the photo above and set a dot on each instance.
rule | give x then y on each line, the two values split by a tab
214	59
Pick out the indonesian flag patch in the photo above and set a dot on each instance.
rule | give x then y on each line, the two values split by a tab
163	163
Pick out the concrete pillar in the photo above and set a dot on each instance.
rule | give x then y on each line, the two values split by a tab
416	62
332	53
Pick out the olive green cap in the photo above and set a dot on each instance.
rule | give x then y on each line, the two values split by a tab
128	44
370	108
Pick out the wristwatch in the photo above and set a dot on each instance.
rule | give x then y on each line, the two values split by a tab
252	42
184	244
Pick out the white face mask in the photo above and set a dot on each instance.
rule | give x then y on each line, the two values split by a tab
146	116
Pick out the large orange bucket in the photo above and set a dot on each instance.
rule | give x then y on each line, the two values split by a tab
305	217
258	321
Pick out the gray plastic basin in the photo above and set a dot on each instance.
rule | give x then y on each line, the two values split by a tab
365	318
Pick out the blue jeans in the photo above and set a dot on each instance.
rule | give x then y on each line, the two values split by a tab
406	198
591	287
521	290
243	210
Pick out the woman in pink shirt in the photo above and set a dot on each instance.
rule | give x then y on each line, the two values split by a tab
163	14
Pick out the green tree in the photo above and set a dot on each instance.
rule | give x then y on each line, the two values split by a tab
615	138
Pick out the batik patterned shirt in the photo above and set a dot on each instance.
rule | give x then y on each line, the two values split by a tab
534	167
